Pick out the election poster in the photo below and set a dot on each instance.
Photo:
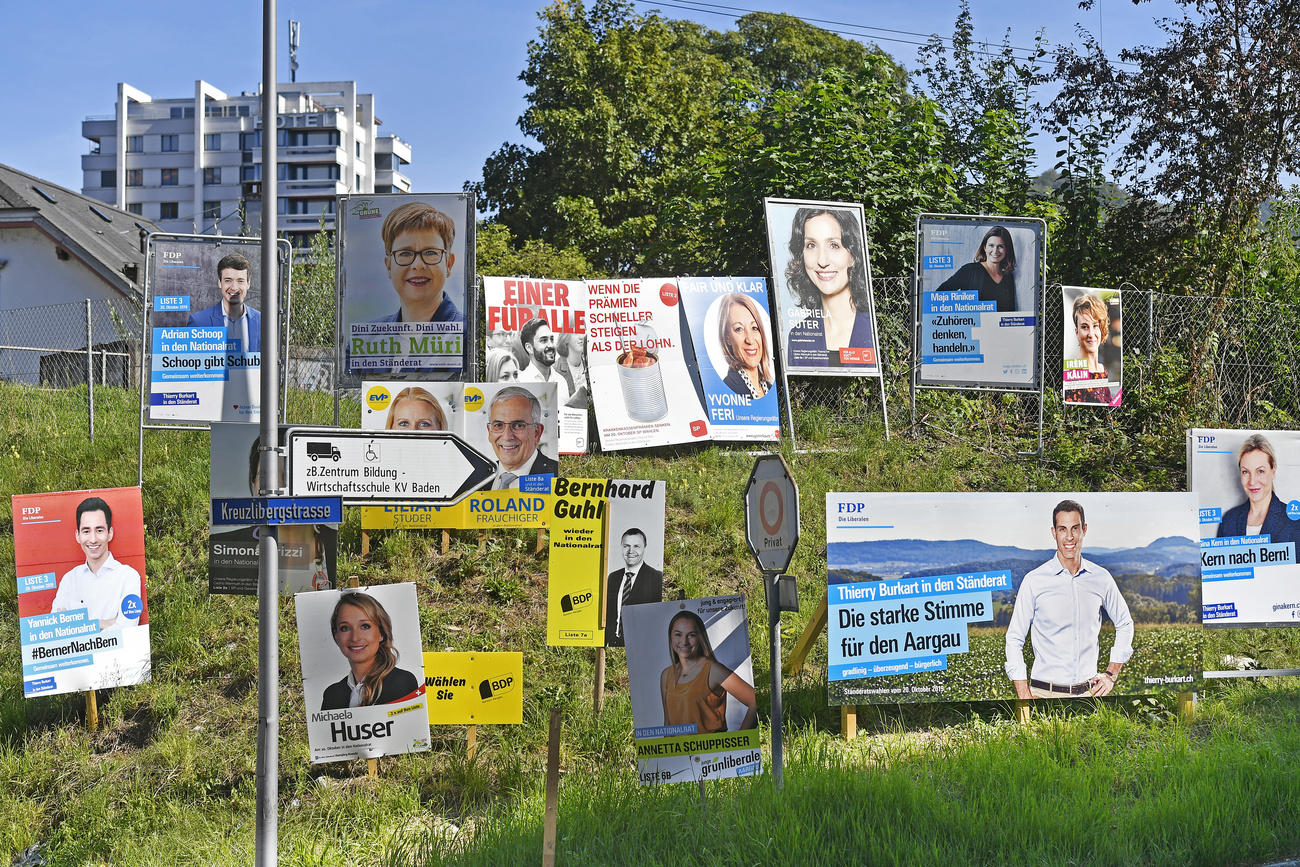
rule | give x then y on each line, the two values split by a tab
976	597
980	311
308	552
405	272
728	324
1247	484
474	688
634	551
642	384
821	274
579	508
204	302
83	615
691	675
1092	362
362	672
411	406
537	332
516	425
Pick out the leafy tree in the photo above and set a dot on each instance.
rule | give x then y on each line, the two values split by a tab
498	254
774	51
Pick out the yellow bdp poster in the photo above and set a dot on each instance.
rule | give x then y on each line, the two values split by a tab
474	688
577	531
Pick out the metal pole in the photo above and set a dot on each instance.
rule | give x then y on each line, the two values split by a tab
268	586
774	666
90	375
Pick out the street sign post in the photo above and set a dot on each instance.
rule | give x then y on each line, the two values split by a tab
379	467
772	532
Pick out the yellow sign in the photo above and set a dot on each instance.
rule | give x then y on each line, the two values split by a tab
577	531
474	688
481	510
414	516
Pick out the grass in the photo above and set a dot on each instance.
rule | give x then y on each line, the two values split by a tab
169	778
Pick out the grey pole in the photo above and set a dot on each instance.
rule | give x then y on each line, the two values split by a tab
90	374
774	663
268	585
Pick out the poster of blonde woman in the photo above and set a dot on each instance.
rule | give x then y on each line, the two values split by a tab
1092	367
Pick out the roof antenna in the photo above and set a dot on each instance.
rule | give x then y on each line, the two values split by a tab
295	30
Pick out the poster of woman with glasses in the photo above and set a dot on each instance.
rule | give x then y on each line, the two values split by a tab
406	265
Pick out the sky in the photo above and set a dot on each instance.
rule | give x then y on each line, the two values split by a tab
444	75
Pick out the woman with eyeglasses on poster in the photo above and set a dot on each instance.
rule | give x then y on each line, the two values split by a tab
695	687
363	632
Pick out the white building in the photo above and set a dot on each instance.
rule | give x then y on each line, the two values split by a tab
194	165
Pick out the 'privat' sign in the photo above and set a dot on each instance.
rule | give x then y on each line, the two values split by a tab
771	513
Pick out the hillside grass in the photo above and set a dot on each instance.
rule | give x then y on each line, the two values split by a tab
169	778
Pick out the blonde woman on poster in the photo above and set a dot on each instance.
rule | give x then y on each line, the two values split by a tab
694	688
1087	378
415	409
363	632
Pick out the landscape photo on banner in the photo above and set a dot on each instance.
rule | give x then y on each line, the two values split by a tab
404	286
952	597
821	276
1092	364
691	675
551	315
362	672
727	322
981	288
83	615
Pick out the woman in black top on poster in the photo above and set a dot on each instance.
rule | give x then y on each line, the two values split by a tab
992	274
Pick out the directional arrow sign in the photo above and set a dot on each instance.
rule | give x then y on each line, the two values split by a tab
378	467
771	513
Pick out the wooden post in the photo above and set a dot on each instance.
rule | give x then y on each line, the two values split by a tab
471	742
1187	705
92	711
810	633
1022	711
598	692
552	790
849	721
482	541
365	546
446	540
541	543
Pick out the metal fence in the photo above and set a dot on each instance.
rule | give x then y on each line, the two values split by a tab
61	345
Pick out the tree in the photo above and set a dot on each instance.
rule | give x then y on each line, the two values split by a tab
498	254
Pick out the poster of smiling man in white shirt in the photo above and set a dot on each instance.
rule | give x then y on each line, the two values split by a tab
83	621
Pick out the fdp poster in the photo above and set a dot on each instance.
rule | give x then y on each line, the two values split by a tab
406	265
980	312
974	597
641	381
1092	365
362	672
691	676
83	616
537	332
822	276
730	329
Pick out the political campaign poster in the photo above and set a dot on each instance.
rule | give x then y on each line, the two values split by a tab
691	675
634	551
537	332
412	406
204	302
821	276
642	384
980	311
575	572
1092	364
480	688
1247	483
730	330
362	672
980	597
83	614
308	552
405	271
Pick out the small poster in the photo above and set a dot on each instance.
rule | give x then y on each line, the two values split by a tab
83	616
694	712
634	551
641	382
474	688
730	328
576	563
362	672
1093	364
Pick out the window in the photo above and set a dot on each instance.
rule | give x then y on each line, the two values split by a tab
243	111
168	210
171	177
246	156
211	210
135	144
212	141
135	208
212	176
250	140
170	143
135	177
358	150
357	188
177	111
108	178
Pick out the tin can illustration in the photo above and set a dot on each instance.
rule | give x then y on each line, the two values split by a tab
640	379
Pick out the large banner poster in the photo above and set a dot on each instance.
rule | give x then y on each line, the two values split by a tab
957	597
730	330
1092	365
83	618
537	333
825	314
362	672
205	329
1248	486
308	552
981	285
641	382
694	713
406	265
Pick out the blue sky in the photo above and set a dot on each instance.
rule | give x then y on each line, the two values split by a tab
444	75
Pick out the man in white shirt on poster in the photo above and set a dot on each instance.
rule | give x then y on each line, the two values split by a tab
100	585
539	342
1059	607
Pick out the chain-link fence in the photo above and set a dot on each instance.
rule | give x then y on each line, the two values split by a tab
61	345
